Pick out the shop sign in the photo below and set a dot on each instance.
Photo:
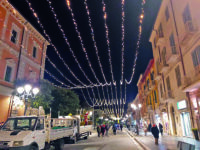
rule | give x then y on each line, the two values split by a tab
181	104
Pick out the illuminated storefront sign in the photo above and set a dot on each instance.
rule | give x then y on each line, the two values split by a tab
181	104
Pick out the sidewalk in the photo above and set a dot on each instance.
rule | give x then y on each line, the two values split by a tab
166	142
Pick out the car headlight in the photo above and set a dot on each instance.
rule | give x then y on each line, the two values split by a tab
18	143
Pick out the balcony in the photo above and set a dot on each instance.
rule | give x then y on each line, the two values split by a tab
158	76
160	40
190	29
168	96
146	91
172	55
149	107
152	85
192	81
163	67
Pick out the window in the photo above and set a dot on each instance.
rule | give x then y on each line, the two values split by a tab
14	36
168	84
34	52
167	13
164	55
161	90
148	83
150	100
8	74
172	44
40	124
178	76
187	19
157	66
155	96
196	56
152	76
154	42
160	31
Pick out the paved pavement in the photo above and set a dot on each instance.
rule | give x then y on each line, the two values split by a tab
121	141
166	142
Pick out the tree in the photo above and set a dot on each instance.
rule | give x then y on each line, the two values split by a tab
44	97
65	101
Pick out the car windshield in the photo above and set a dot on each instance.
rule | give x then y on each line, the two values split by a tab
19	124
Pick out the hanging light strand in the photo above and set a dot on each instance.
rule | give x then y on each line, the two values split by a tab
93	39
49	40
107	40
138	42
66	40
86	99
123	32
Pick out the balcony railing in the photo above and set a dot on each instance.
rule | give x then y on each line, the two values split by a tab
160	39
172	55
163	67
192	80
167	96
190	29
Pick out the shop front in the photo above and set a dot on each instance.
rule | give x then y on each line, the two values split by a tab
185	118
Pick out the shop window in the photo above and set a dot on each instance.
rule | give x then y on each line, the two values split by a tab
172	44
14	36
8	74
34	52
196	56
178	76
167	13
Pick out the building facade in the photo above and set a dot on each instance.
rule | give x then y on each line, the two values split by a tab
175	41
148	95
22	55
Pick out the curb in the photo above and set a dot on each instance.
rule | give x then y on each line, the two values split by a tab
140	143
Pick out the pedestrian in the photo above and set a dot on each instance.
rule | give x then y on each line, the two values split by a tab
102	130
107	129
137	129
114	129
121	127
145	129
99	130
155	132
161	128
149	127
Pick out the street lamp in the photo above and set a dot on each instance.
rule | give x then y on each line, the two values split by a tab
27	91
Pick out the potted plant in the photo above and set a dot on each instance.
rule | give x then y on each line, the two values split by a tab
195	132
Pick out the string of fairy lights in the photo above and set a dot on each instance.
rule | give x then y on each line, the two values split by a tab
109	104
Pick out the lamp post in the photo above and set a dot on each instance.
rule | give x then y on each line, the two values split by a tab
25	92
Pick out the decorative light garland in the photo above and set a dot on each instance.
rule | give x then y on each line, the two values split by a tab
138	42
123	18
93	39
108	41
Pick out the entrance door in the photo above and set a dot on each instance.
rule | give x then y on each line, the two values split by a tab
186	125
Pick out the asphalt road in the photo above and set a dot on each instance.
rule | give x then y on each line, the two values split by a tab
121	141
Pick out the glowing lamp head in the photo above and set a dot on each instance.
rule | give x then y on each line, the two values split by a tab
20	90
139	105
141	16
68	3
35	91
90	113
27	88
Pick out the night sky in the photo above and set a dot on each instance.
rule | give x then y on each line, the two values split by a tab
113	8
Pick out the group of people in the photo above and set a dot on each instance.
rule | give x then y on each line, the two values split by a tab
102	129
154	130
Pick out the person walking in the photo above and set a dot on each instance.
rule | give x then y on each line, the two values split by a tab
107	129
155	132
114	129
149	127
102	130
145	129
121	127
137	129
99	130
161	128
